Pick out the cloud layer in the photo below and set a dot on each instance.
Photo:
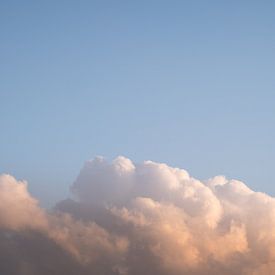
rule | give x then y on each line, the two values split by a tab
147	218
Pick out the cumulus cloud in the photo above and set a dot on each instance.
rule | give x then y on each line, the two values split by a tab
148	218
17	207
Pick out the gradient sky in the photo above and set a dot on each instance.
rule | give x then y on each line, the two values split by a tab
189	83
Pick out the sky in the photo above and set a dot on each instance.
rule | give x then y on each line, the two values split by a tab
188	83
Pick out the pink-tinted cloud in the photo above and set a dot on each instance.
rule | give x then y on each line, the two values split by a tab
146	218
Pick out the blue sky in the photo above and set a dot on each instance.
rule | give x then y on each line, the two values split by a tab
189	83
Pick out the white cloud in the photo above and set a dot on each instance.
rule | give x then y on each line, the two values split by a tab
146	218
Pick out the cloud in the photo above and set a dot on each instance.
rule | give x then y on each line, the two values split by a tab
147	218
17	207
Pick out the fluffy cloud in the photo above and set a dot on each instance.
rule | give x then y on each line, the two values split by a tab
17	207
147	218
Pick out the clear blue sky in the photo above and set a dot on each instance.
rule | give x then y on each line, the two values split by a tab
189	83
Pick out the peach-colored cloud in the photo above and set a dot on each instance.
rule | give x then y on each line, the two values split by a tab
18	210
145	218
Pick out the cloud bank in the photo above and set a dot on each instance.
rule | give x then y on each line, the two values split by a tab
147	218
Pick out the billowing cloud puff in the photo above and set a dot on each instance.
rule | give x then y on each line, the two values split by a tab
17	207
147	218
